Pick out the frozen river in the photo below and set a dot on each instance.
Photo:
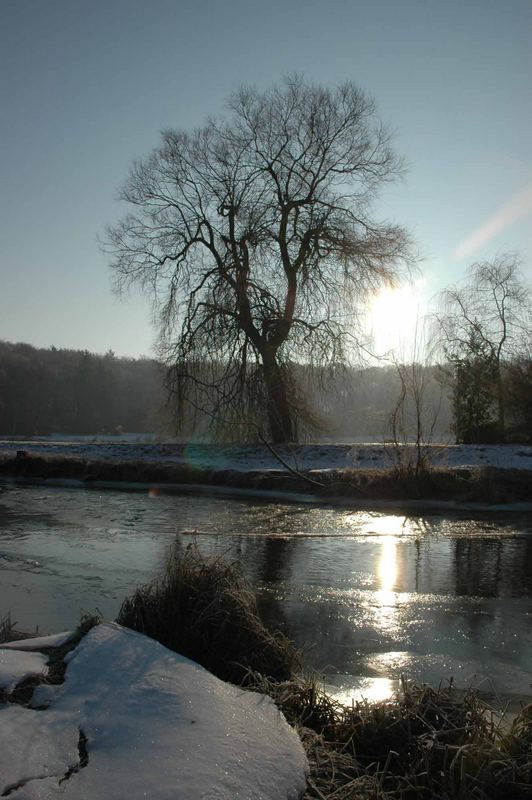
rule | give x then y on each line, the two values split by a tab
367	596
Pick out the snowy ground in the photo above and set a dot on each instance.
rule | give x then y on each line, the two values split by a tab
257	457
15	667
134	720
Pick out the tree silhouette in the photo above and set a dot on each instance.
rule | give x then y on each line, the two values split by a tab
254	235
484	325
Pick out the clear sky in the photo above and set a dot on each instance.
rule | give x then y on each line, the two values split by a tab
87	86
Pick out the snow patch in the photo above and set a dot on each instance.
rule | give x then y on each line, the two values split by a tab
156	725
16	667
34	745
39	642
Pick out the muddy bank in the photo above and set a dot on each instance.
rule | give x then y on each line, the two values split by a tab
486	485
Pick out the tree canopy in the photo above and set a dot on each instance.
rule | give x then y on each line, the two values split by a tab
255	236
485	324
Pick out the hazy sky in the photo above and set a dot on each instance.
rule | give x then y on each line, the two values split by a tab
87	86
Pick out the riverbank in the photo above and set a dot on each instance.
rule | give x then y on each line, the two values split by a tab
259	457
70	719
487	486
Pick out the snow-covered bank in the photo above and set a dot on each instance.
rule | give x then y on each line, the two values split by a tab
495	483
35	643
245	458
133	720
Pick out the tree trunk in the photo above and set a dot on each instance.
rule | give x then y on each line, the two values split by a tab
500	404
279	414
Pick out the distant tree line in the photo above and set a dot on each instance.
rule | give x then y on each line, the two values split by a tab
44	391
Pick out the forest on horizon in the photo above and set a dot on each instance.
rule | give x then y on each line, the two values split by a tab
45	391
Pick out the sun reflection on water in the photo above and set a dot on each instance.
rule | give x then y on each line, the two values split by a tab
386	595
390	525
387	568
364	689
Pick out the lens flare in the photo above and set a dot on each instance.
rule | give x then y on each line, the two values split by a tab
518	207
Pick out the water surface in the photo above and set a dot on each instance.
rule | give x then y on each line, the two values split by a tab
368	596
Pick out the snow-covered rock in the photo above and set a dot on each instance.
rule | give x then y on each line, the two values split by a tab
134	720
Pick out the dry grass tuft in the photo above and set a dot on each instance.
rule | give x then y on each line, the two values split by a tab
428	744
206	610
480	484
8	631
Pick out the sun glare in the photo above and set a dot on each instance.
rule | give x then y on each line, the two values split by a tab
392	318
386	597
364	689
387	569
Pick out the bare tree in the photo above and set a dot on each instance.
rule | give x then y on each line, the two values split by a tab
414	415
255	236
483	324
